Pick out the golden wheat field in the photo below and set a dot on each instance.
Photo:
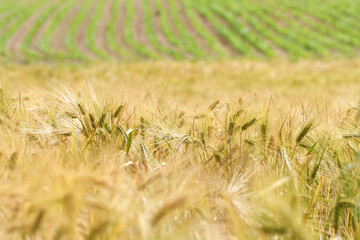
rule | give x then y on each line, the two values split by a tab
180	150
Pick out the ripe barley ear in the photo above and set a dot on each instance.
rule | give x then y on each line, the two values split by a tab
304	131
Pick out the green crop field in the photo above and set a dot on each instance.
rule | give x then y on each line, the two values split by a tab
180	119
125	30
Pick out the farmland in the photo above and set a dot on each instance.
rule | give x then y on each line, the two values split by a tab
180	119
130	30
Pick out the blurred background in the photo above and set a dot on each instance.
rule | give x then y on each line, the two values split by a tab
127	30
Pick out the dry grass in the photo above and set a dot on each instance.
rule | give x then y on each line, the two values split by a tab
233	150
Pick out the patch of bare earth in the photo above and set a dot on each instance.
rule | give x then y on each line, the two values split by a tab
139	26
230	50
13	46
58	40
157	28
101	39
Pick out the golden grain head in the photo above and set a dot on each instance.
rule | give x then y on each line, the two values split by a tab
105	156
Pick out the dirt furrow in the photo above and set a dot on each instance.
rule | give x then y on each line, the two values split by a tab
4	15
170	18
40	33
189	25
139	26
281	53
82	30
101	39
320	34
157	27
230	50
6	26
227	25
173	27
120	26
324	23
58	40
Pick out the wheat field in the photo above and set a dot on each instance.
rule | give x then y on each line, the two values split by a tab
180	150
